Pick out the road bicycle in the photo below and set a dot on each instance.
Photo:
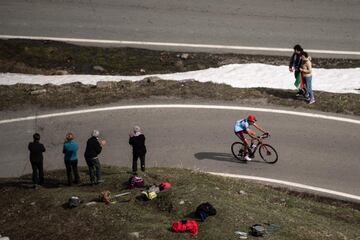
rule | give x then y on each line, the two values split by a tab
266	151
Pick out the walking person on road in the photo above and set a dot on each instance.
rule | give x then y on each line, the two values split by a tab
306	70
294	66
36	159
70	149
93	148
137	141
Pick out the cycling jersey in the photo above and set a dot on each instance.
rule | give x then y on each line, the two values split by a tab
241	125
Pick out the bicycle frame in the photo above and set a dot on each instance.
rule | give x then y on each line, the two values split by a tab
259	140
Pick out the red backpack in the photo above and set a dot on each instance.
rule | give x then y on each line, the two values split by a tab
186	225
164	186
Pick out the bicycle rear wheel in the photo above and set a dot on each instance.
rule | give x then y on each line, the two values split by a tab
237	149
268	153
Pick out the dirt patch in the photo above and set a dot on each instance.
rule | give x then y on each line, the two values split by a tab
21	96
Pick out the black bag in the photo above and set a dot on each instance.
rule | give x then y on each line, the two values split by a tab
257	230
74	202
204	210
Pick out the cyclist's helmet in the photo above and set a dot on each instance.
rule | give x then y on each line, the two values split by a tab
251	118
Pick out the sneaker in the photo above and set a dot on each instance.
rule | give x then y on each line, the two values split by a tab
312	101
247	158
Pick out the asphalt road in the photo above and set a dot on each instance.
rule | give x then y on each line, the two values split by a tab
316	152
316	24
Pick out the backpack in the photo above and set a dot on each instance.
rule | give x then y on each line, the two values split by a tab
186	225
74	202
150	195
164	186
136	181
204	210
105	197
257	230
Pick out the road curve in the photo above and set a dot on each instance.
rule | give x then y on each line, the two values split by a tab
313	151
317	24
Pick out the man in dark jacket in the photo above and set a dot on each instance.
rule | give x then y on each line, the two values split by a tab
93	149
137	141
36	159
294	66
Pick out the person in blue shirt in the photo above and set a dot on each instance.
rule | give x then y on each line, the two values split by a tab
242	127
70	157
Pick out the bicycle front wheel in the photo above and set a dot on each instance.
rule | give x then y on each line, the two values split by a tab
237	149
268	153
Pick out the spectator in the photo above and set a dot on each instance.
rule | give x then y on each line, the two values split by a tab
93	149
306	70
137	141
70	149
294	66
36	159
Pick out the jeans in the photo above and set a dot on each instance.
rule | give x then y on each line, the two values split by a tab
94	170
308	81
38	172
71	167
142	162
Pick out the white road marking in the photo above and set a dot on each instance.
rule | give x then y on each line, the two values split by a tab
166	44
84	111
59	114
292	184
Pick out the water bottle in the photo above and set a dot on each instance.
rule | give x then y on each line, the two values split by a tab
253	146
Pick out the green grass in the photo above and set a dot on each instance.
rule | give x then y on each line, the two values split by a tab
41	213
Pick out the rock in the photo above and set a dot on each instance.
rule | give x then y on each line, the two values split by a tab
61	72
104	84
38	92
151	79
182	202
134	234
201	66
242	192
33	203
179	66
142	70
184	56
4	238
99	68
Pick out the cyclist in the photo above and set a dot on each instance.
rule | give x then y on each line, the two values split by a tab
242	127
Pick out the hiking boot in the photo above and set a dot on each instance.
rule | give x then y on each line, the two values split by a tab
247	158
312	101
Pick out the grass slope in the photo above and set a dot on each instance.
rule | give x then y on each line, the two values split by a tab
42	213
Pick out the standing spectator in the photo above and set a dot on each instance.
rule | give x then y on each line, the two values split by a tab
70	149
306	70
93	149
294	66
36	159
137	141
